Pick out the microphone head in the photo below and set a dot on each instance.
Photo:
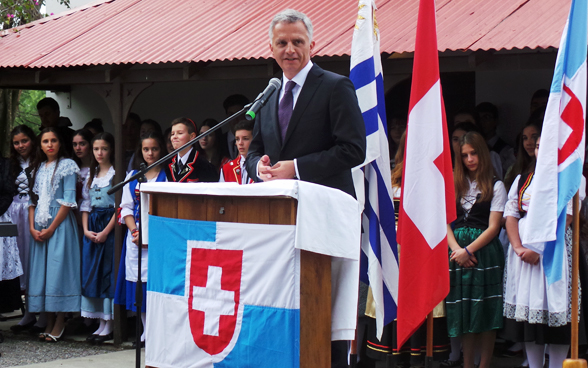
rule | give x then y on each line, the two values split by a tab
249	115
276	82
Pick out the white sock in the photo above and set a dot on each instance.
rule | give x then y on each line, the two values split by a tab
455	348
535	354
107	327
144	320
517	346
100	328
557	354
27	318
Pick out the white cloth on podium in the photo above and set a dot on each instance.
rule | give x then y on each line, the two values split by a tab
328	222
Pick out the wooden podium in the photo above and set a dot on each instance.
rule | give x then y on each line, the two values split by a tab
315	269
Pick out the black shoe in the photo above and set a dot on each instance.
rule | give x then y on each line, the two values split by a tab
512	353
135	344
35	330
101	338
450	363
91	338
20	328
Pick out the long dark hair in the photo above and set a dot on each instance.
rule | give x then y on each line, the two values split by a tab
94	166
484	172
524	163
41	157
15	156
220	146
138	160
87	136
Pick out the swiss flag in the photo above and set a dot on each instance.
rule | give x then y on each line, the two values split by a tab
428	201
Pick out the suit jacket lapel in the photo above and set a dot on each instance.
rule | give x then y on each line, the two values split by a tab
272	105
312	82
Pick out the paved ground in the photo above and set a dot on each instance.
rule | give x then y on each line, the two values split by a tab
24	350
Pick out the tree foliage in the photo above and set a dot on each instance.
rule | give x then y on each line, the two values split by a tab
14	13
27	109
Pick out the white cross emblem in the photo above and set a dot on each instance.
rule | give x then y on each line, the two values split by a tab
213	301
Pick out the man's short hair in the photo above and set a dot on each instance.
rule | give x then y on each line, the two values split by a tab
134	118
48	102
235	100
489	108
244	125
540	93
291	16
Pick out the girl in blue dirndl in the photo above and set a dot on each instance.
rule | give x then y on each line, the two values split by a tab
98	219
151	148
54	283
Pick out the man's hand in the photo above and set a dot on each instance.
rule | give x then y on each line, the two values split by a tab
283	170
264	166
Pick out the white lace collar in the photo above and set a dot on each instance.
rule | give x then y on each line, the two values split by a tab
46	184
104	181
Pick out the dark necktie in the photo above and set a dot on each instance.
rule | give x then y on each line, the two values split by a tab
180	165
285	108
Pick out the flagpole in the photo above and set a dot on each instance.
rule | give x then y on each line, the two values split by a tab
429	357
574	362
353	350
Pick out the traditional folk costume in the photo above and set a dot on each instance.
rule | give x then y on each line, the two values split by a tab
55	282
234	171
127	272
474	303
83	177
10	264
98	283
19	212
413	352
533	311
192	167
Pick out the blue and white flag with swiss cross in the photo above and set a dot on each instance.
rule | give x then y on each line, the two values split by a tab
558	172
218	296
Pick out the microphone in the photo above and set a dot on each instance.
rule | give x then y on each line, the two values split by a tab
260	101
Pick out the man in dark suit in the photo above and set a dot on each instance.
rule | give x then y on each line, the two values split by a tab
312	129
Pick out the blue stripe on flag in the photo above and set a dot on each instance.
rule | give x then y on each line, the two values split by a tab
162	230
553	255
568	183
386	205
363	268
382	102
576	56
363	73
385	222
572	48
390	312
274	347
554	251
370	117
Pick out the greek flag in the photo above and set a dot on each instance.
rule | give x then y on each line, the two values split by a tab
379	248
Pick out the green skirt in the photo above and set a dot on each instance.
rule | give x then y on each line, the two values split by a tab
474	303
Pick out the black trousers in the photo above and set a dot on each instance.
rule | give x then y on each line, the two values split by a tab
339	354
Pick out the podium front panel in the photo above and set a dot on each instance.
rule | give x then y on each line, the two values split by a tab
315	269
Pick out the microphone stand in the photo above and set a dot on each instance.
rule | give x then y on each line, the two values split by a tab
140	177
